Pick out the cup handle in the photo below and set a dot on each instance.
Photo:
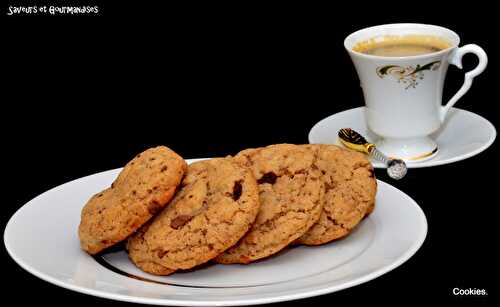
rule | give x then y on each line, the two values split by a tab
455	58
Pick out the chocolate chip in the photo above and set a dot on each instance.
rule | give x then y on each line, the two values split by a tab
329	187
300	171
152	159
334	221
161	253
237	189
100	195
164	168
268	178
150	191
210	246
180	221
154	206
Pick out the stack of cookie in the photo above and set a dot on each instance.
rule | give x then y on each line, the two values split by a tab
229	210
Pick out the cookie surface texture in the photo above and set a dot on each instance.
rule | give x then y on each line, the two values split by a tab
350	189
143	187
289	192
216	205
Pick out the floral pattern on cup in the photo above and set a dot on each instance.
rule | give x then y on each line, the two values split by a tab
407	75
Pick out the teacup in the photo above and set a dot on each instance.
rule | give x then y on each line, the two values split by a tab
403	93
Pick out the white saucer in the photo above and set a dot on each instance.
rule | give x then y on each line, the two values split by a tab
463	135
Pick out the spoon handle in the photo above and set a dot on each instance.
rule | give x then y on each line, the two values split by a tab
378	155
396	168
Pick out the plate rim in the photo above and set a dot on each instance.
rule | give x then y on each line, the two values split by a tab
420	239
432	162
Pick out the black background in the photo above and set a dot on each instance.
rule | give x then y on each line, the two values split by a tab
83	94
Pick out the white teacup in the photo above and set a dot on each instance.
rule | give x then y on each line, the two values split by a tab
403	94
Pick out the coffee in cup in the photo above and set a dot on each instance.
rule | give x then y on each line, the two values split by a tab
401	46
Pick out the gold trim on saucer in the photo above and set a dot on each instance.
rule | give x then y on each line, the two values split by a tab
422	156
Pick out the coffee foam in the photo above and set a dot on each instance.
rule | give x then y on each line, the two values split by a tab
411	39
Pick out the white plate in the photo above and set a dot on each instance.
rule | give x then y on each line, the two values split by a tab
463	135
42	238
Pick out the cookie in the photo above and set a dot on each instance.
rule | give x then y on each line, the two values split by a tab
143	187
139	249
350	189
216	205
290	195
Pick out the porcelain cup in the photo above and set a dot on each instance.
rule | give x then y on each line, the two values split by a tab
403	95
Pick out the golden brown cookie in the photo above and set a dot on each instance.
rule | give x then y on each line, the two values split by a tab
216	205
140	250
290	196
350	189
143	187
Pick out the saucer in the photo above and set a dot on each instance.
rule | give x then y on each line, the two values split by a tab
463	135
